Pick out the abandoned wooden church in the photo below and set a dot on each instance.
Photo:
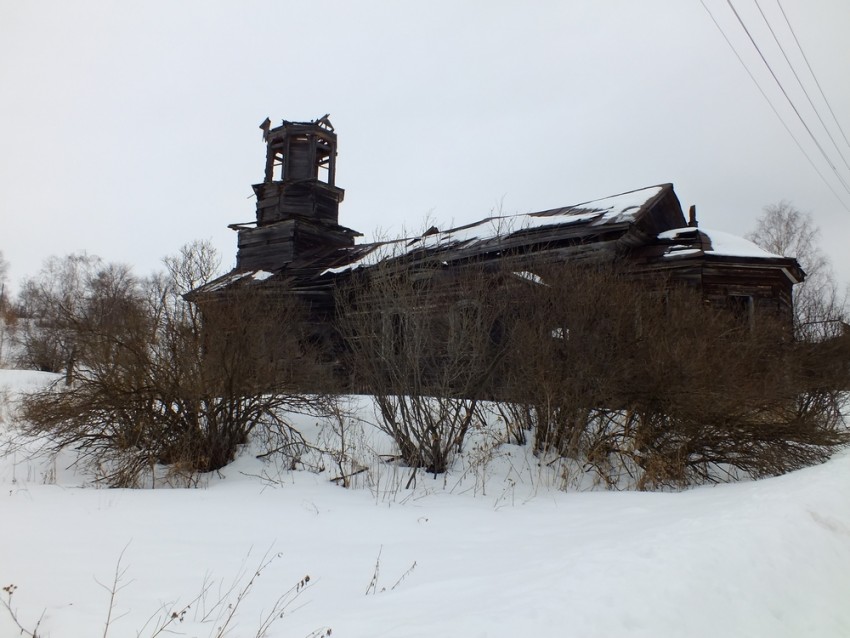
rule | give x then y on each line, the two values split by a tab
297	247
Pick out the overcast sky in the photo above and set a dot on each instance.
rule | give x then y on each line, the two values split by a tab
130	128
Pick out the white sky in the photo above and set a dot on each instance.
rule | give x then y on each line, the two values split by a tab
130	128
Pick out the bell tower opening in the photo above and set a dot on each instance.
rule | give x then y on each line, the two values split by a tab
300	151
300	172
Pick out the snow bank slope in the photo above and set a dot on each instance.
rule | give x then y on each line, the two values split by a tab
770	558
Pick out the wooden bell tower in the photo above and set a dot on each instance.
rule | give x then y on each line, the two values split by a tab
297	201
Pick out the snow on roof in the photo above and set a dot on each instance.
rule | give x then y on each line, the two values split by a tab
616	209
346	267
262	275
231	278
224	281
530	276
609	210
722	243
680	250
729	244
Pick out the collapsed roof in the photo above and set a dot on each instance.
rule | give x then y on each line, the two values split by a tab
646	225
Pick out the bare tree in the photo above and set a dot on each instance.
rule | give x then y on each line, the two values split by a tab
785	230
4	273
50	303
8	318
157	383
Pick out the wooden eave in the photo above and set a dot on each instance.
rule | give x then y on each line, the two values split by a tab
283	186
787	265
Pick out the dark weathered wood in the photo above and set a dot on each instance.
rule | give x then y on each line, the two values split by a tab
297	237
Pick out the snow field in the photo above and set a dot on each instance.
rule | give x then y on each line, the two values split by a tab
490	550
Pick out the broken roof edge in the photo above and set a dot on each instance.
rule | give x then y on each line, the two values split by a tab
659	192
616	211
663	188
323	122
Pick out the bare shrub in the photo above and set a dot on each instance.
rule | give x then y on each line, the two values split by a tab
642	383
425	343
152	387
216	607
519	420
342	439
653	387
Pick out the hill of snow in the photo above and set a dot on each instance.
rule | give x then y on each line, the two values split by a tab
489	550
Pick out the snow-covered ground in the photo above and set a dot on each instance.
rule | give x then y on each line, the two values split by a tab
490	550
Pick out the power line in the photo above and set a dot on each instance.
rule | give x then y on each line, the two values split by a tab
806	58
800	82
773	108
788	98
